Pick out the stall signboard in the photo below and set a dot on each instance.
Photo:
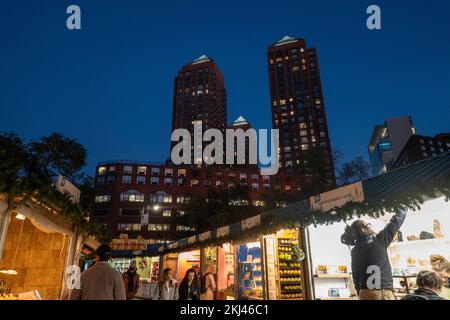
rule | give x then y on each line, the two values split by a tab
338	197
205	236
192	239
223	231
251	222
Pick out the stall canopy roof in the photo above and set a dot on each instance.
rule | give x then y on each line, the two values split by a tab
375	189
399	180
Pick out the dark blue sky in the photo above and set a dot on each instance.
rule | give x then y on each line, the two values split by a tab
110	84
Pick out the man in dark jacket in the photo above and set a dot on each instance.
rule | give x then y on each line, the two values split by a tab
371	269
429	285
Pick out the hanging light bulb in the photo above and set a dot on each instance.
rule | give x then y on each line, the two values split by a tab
20	216
11	271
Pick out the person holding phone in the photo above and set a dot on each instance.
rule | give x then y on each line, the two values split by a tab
189	288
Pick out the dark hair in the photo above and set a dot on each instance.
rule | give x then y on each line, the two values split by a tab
103	252
429	279
353	232
185	281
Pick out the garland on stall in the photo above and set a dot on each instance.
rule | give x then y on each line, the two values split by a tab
75	215
411	199
61	204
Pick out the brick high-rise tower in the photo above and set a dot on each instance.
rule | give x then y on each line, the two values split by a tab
298	110
199	95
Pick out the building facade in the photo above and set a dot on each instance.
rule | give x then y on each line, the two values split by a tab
387	141
298	109
421	147
125	190
199	96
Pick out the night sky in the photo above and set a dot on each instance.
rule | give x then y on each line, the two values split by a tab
110	84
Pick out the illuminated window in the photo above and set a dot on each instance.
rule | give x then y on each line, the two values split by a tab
167	213
182	172
161	197
158	227
132	196
194	182
142	170
168	172
305	147
258	203
129	227
101	170
103	198
303	133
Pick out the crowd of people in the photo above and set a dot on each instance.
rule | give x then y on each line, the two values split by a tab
101	282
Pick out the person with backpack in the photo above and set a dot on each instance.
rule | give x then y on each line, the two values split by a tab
208	284
131	281
429	286
369	257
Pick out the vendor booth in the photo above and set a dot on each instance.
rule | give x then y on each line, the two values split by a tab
424	234
295	252
38	246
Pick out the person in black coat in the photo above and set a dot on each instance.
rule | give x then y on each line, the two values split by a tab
429	285
371	269
189	288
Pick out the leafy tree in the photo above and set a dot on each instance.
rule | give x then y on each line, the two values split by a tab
29	170
217	208
354	170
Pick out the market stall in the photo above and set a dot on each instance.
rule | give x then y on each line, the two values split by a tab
186	261
420	190
226	265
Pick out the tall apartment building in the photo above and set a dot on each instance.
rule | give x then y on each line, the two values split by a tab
199	96
298	108
387	141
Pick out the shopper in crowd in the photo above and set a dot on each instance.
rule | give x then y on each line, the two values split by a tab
208	284
441	266
131	281
429	285
100	282
189	288
167	287
371	269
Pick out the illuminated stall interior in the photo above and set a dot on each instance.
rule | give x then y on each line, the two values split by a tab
250	271
187	260
226	271
425	232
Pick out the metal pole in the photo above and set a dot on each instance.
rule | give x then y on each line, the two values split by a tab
5	219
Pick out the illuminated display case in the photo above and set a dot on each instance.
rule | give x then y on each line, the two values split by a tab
250	271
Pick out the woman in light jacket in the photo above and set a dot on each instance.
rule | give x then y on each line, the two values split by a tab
167	287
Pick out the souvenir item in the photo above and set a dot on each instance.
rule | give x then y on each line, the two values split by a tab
437	229
426	235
